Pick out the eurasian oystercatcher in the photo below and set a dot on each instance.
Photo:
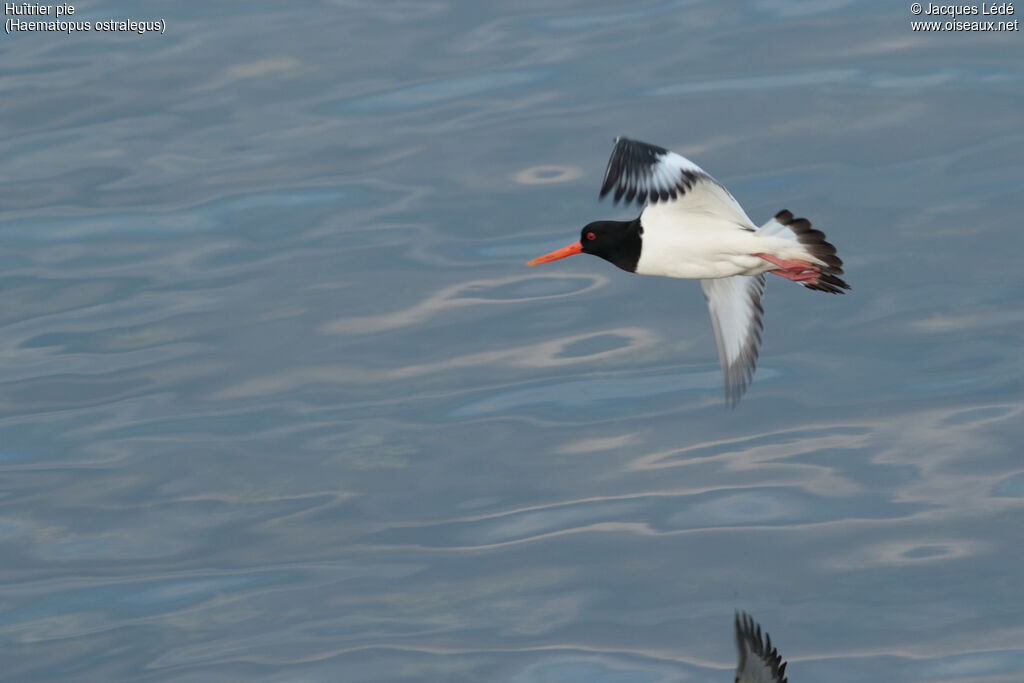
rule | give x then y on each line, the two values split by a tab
691	227
758	662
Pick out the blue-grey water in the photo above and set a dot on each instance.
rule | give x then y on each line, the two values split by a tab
279	400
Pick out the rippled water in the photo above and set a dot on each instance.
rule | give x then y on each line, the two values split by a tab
280	402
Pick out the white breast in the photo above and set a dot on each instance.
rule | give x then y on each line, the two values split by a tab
696	246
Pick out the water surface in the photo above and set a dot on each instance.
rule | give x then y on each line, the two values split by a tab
280	402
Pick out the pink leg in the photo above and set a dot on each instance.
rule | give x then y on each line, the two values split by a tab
797	266
797	271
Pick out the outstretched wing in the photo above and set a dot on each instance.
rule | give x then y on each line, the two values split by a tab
647	174
759	662
737	318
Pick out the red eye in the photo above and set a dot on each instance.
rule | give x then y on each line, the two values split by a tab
591	236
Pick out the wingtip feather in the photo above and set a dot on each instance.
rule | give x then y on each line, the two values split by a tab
750	638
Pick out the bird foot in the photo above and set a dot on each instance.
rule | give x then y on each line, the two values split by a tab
795	270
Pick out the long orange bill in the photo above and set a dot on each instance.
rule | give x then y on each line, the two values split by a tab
574	248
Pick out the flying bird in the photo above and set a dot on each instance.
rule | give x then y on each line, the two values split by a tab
692	228
758	661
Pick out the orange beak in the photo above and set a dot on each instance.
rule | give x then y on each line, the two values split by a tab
574	248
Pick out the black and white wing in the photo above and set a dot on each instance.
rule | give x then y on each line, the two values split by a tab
647	174
759	662
737	318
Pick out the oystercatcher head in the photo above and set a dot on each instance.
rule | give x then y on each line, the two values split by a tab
618	242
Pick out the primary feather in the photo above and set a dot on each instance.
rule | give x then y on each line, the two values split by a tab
758	661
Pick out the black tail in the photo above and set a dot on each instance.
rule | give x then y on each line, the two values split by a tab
816	244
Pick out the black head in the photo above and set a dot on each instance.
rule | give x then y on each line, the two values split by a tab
615	241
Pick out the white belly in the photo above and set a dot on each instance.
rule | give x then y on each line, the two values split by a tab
700	253
702	245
